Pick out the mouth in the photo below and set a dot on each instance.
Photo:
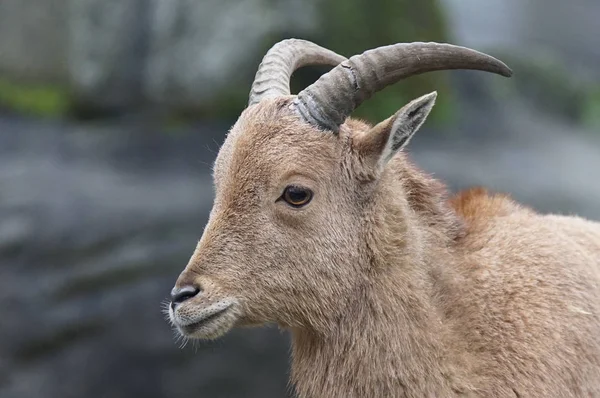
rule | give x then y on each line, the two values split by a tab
208	323
191	328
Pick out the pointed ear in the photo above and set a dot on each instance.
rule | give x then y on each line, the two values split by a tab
384	140
405	123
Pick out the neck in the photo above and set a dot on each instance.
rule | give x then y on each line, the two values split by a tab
393	339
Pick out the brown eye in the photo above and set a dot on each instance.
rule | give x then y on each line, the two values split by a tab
297	196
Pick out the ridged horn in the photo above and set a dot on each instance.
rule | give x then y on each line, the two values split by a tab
274	72
332	98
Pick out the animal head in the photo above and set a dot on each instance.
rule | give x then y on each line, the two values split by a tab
297	183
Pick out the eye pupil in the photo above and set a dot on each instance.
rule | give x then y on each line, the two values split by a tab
297	196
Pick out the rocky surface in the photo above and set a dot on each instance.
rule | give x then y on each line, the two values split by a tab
555	30
96	222
33	34
119	55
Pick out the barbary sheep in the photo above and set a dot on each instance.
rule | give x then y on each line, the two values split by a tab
389	287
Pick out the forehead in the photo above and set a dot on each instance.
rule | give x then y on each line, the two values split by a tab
269	139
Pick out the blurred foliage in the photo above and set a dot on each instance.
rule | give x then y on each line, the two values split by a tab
36	99
353	26
552	88
591	109
227	104
346	26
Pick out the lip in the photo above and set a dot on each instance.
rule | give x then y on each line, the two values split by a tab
193	327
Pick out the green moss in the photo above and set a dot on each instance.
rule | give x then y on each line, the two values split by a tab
590	114
34	99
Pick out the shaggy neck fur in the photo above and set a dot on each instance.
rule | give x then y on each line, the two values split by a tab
394	338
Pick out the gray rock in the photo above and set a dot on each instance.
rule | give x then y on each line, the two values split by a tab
33	34
551	30
95	226
107	45
198	49
120	55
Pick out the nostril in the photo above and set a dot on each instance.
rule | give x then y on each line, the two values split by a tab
179	295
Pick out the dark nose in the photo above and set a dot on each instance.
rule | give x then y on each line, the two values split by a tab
179	295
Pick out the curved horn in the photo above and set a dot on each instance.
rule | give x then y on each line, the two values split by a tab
331	99
274	72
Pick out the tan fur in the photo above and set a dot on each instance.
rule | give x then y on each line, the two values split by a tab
388	287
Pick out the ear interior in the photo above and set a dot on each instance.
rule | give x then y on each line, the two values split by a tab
377	146
405	123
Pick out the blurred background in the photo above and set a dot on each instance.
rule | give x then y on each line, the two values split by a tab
112	111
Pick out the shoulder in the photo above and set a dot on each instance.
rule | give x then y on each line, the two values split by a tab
478	205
